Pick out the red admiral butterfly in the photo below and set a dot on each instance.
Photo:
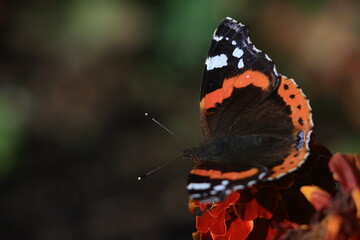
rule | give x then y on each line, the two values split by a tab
256	122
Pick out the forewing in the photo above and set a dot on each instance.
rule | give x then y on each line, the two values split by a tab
233	63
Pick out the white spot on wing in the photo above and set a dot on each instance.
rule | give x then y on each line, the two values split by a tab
274	69
262	175
280	176
231	19
195	195
238	52
217	61
255	49
225	182
219	187
267	57
234	21
233	42
241	63
207	61
252	182
198	186
217	38
239	187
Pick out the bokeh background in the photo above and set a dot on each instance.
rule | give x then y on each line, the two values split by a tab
77	76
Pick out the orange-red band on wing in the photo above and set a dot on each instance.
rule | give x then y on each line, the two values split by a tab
216	174
255	78
302	121
299	104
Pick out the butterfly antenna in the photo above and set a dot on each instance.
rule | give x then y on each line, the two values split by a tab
158	168
166	129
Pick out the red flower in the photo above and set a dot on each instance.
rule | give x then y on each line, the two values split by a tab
244	214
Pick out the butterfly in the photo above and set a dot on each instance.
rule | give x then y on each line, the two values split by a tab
256	122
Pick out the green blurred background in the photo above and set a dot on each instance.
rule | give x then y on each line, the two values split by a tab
77	76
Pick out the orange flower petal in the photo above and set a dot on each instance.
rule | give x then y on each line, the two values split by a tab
193	204
203	206
333	227
317	197
356	197
231	199
239	230
247	211
216	225
196	235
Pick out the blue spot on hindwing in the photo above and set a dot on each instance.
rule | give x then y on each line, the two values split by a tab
301	138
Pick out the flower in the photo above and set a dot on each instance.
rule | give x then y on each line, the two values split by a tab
243	215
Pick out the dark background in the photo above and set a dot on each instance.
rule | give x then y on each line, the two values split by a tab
77	76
